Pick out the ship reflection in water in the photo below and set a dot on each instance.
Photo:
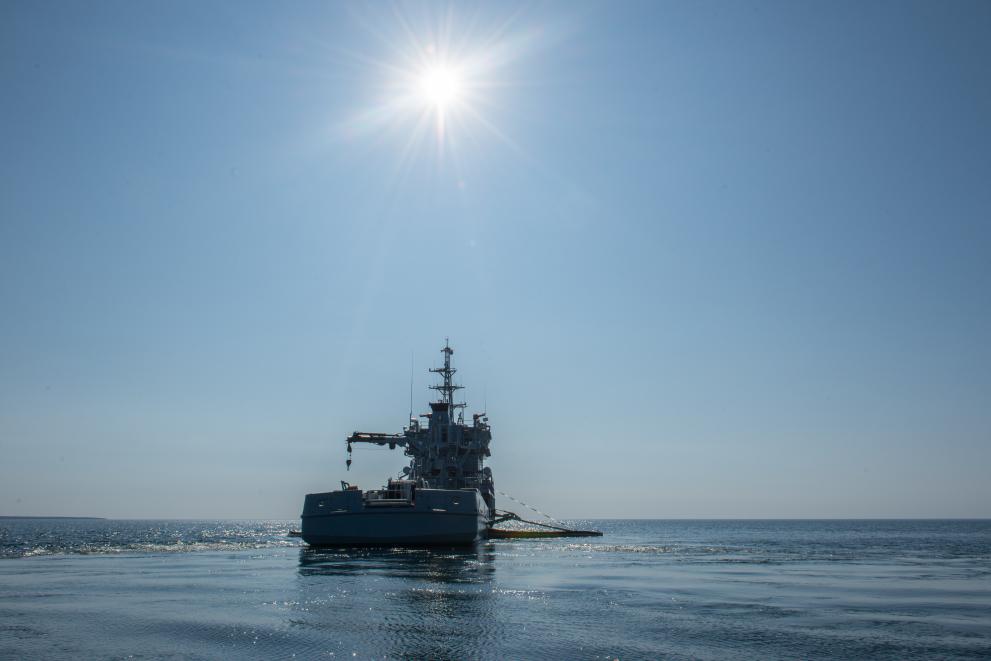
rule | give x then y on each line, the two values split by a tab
413	602
442	565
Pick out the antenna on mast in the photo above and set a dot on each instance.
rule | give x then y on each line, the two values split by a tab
447	388
410	385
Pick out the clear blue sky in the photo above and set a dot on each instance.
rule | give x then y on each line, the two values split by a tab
698	258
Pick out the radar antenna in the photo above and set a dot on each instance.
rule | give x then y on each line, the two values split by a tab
448	388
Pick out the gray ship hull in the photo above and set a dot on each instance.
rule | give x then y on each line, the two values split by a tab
450	517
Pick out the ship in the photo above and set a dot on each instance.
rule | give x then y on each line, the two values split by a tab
445	496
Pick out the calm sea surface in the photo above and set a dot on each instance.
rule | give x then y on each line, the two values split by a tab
78	589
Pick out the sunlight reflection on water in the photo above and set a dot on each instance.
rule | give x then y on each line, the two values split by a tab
647	589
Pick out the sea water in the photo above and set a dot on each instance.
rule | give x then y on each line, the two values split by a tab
73	589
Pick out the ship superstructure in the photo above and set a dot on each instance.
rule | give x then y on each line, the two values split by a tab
445	496
446	453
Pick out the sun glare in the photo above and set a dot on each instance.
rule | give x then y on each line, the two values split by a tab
438	81
439	87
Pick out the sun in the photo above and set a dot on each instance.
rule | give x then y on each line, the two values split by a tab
439	79
439	87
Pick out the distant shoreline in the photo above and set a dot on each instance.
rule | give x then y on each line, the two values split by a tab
85	518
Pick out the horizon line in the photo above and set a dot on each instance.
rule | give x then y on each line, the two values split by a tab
668	517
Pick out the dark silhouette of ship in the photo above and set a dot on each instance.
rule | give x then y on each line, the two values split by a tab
445	496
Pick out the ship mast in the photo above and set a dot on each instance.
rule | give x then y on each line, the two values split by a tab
448	388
